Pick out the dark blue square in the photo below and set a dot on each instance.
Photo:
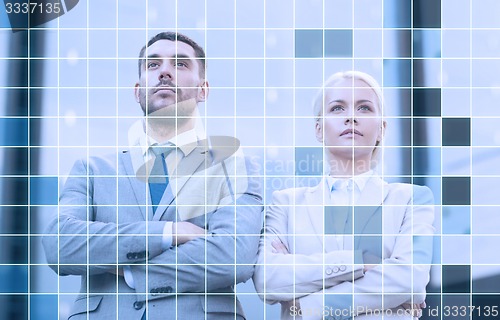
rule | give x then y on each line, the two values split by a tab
14	132
456	132
427	13
456	190
14	279
308	43
427	102
456	278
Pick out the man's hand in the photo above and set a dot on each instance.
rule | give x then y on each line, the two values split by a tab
416	309
184	231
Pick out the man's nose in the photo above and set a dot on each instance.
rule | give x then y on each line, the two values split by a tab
166	72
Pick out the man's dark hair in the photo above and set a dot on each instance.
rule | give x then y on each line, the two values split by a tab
174	36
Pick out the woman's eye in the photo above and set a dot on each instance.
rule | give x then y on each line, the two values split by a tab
336	108
364	108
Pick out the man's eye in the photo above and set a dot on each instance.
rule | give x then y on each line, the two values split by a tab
152	65
181	64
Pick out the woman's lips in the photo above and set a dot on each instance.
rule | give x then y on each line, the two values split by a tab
351	131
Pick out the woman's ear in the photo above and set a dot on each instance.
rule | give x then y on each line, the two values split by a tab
203	91
381	131
319	131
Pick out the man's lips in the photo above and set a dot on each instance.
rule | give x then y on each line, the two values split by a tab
165	88
351	131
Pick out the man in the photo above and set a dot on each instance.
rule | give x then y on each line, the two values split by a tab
166	229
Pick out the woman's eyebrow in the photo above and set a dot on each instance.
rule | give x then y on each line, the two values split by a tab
337	100
364	100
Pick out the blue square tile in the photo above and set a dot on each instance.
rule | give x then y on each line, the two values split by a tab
427	43
397	72
308	161
456	220
397	13
308	43
43	190
338	43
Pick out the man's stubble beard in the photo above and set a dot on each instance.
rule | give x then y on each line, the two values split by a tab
173	118
171	115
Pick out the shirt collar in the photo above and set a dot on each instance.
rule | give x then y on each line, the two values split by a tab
359	180
186	142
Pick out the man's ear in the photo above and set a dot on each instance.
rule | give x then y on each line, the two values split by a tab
203	91
381	131
319	131
137	88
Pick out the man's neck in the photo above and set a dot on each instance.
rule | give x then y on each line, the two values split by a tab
162	131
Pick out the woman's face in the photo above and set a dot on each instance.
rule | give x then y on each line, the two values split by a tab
351	122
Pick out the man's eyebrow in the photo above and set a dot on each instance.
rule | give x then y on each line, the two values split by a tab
180	56
153	56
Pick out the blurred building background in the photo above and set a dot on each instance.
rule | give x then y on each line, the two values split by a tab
69	94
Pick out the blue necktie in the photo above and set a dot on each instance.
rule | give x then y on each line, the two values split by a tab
158	178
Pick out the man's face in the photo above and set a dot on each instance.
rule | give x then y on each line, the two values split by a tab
170	82
351	119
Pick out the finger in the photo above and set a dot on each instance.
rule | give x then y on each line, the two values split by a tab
279	246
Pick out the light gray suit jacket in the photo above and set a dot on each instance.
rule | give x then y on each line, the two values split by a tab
391	225
103	224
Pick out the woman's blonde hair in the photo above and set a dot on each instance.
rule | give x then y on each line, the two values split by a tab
319	100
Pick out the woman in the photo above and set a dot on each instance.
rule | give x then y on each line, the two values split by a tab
354	245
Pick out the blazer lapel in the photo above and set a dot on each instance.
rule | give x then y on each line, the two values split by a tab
370	200
316	197
138	186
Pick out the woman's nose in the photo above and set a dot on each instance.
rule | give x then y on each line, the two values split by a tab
351	119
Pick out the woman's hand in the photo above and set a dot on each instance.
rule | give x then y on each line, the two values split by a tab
415	309
279	247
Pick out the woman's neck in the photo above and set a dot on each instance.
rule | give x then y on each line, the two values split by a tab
342	167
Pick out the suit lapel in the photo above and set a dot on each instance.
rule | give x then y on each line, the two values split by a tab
139	187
